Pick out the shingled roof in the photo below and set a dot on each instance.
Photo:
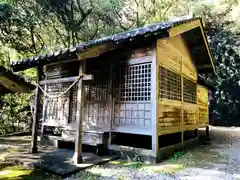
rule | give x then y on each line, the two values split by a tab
153	29
11	82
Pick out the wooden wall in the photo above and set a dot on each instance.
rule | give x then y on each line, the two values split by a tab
118	99
181	109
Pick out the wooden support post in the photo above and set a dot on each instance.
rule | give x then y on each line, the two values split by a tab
44	112
207	131
45	104
77	158
154	103
197	112
36	114
110	102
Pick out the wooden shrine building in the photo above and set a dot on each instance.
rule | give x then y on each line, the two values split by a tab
131	88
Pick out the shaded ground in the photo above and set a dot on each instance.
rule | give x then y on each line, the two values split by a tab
220	160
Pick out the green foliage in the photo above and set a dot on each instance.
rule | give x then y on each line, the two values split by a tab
135	162
138	161
224	43
177	155
15	113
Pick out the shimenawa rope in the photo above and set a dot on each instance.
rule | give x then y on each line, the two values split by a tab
64	92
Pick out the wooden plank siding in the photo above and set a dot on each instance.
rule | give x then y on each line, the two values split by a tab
176	113
169	117
202	106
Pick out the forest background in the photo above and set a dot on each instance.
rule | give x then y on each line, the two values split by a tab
32	27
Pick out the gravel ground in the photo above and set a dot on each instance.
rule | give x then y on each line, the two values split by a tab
218	161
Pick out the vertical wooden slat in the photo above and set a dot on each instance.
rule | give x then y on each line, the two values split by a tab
36	114
197	111
79	116
207	128
70	107
182	108
45	104
110	102
154	104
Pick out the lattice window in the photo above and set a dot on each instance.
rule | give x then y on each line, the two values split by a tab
57	109
189	91
169	84
73	105
98	91
135	83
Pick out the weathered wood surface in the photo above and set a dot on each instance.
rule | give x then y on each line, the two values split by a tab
168	57
132	105
97	51
110	101
36	114
172	50
190	112
203	116
12	85
202	93
203	106
57	109
174	115
79	116
169	116
176	30
154	104
61	70
67	79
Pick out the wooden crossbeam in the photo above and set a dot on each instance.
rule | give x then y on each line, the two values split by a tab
67	79
179	29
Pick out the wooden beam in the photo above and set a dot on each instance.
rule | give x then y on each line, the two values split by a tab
154	104
207	46
79	116
67	79
179	29
12	85
36	115
145	59
204	66
97	51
